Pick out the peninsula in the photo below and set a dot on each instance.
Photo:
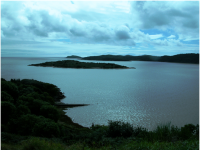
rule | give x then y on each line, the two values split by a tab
192	58
78	64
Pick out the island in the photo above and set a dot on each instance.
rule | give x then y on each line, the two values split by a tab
74	57
78	64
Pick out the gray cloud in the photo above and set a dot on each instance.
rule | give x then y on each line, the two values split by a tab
157	14
40	23
122	35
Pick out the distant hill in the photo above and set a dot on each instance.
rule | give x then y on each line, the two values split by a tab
74	56
180	58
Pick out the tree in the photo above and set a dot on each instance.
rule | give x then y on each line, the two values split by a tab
26	123
50	112
46	128
10	88
23	110
7	111
6	97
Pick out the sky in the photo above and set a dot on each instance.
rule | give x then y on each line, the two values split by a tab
88	28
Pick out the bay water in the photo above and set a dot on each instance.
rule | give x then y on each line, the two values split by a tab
153	93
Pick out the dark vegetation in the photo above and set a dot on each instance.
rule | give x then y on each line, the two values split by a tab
74	56
30	120
180	58
77	64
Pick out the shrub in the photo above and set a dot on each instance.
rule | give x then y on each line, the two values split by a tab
46	128
37	125
12	138
163	132
2	79
7	111
35	106
6	97
26	124
119	129
187	131
50	112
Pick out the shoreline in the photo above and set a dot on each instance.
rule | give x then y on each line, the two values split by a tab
64	117
61	104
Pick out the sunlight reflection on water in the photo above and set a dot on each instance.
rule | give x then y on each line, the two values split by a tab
152	93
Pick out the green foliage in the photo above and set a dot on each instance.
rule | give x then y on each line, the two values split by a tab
12	138
23	110
24	100
35	106
8	111
2	79
50	112
163	132
10	88
188	131
26	123
119	129
37	125
46	97
51	89
36	143
46	128
6	97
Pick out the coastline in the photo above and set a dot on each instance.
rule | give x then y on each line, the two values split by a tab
64	117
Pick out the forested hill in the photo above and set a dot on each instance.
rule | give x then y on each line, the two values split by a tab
179	58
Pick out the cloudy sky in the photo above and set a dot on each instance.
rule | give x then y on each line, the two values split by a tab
85	28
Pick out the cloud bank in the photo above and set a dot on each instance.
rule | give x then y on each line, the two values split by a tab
131	25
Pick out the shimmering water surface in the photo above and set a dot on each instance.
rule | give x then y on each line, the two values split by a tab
153	93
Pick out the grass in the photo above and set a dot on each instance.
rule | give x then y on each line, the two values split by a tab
36	143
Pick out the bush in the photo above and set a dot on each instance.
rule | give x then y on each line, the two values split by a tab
7	111
188	131
46	128
12	138
37	125
163	132
2	79
119	129
35	106
26	124
50	112
6	97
